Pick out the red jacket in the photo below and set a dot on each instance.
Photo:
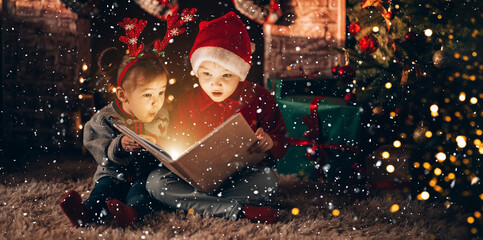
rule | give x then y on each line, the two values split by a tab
197	115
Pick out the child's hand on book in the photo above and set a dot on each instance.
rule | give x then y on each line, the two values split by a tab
129	145
149	138
264	142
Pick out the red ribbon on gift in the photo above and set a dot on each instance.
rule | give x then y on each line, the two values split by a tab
318	152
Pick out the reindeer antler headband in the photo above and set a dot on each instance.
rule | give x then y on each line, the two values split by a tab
134	28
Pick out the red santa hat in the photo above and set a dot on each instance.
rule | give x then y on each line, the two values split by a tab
224	41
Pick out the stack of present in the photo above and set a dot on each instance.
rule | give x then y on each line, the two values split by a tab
322	128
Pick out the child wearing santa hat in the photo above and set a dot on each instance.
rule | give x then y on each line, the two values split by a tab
221	58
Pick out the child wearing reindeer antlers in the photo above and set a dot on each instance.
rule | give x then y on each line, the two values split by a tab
221	58
122	167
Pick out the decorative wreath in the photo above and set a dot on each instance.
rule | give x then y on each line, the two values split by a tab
159	8
260	11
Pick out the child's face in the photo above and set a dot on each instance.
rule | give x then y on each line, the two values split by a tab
216	81
145	99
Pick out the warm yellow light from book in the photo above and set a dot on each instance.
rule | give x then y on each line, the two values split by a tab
473	100
470	220
423	196
375	29
385	154
461	141
81	80
462	97
434	108
451	176
172	81
295	211
394	208
428	134
390	168
335	212
84	67
396	143
437	171
80	96
388	85
441	156
428	32
191	211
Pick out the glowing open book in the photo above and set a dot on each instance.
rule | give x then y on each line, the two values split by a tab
210	161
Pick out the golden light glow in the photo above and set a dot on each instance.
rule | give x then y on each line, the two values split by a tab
375	29
396	143
80	96
481	196
428	32
428	134
170	98
437	171
394	208
385	154
461	141
390	168
424	195
172	81
434	108
195	85
80	127
84	67
335	212
191	211
441	156
452	158
462	97
451	176
427	166
473	100
433	182
192	73
416	164
392	114
474	230
388	85
470	220
295	211
114	90
477	214
288	68
81	80
479	132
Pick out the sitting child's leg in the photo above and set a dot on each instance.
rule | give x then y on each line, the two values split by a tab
254	187
167	188
138	203
105	188
78	213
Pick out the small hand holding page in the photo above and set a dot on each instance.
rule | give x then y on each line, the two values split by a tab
129	145
264	142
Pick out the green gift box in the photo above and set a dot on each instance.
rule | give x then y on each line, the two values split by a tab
338	131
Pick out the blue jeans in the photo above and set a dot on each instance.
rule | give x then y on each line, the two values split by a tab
133	194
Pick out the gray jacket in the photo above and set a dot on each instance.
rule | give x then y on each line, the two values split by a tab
104	143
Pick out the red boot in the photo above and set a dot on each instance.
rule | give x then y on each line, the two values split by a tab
77	212
261	214
123	214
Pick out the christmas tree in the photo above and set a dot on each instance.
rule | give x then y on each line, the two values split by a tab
414	67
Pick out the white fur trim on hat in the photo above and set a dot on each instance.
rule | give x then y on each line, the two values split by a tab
222	57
